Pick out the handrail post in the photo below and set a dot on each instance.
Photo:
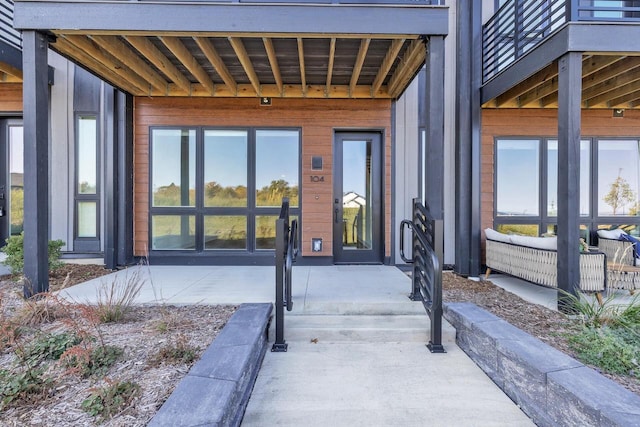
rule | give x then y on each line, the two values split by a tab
282	240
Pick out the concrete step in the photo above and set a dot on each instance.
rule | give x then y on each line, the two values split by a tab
361	328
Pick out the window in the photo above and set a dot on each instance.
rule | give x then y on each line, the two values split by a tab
218	189
87	184
526	183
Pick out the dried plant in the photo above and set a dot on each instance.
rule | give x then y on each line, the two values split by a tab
116	297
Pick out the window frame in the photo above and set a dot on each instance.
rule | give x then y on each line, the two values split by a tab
250	212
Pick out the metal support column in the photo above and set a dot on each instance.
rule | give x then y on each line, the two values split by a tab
468	130
36	161
569	109
110	105
124	197
434	144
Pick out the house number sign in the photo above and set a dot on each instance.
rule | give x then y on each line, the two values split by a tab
317	178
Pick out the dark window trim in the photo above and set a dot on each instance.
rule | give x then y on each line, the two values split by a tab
200	211
91	244
543	220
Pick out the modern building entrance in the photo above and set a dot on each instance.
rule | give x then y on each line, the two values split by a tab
11	179
357	210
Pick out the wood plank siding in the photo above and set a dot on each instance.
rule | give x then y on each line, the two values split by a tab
11	97
540	123
317	119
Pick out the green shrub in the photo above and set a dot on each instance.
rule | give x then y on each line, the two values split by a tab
614	350
111	399
176	351
49	346
91	361
15	253
22	386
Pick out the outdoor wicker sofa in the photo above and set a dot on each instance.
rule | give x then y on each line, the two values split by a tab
534	259
623	266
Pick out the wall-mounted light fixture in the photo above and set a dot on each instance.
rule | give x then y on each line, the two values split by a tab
618	112
316	244
265	100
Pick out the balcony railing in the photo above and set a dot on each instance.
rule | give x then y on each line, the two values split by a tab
519	25
7	33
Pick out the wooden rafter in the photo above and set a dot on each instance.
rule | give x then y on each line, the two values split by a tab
303	74
385	66
539	78
218	64
243	56
547	88
413	57
10	70
611	83
89	48
628	100
273	61
63	46
8	78
161	62
357	67
183	54
593	64
332	55
622	85
125	55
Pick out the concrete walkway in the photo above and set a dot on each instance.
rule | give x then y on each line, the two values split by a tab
357	353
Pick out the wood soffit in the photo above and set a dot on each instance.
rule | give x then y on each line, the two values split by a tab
608	81
246	64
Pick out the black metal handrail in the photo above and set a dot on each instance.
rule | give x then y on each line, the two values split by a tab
286	253
519	25
7	33
427	268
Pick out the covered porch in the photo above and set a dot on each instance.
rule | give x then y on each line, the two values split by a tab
265	52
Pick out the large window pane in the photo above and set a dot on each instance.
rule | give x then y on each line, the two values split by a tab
552	174
87	219
225	168
618	177
16	179
517	177
173	232
277	167
225	232
87	155
174	167
266	231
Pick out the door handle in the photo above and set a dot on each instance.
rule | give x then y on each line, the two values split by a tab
335	215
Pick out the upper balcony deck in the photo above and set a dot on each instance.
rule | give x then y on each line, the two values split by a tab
520	25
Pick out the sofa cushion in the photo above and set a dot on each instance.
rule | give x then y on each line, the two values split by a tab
548	243
611	234
492	234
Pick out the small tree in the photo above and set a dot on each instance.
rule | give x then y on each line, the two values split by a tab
620	194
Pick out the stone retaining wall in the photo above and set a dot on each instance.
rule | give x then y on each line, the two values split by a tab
552	388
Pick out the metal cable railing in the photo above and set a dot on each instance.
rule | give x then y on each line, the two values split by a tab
7	33
520	25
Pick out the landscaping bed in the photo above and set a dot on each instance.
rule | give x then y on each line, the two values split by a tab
52	354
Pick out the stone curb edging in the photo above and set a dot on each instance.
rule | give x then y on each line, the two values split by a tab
216	390
552	388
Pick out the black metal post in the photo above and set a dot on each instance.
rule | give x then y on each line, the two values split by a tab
124	195
282	227
467	183
110	177
569	109
36	162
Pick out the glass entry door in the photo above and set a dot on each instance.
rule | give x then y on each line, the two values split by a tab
11	180
357	207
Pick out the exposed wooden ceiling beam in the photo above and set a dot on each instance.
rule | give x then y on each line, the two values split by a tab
183	54
547	88
548	72
243	56
235	34
385	66
10	70
63	46
609	72
290	91
357	67
332	54
629	100
273	61
218	64
593	65
303	74
88	47
413	57
162	63
125	55
623	85
611	83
